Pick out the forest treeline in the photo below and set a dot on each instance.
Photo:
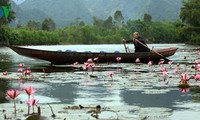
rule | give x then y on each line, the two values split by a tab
98	33
108	31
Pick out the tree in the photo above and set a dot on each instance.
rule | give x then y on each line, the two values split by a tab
78	22
48	24
118	17
81	23
108	23
33	25
11	14
147	17
97	22
190	16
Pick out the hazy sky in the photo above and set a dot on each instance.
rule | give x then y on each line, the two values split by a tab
18	1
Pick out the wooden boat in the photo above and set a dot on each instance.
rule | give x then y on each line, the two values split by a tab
69	57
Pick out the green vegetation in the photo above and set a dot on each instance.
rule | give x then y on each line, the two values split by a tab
154	32
190	15
111	30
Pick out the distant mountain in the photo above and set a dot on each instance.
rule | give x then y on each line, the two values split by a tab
64	12
23	16
135	9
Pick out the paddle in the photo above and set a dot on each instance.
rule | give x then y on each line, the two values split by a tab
125	45
126	48
163	57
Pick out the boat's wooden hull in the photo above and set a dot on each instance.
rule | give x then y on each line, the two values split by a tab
59	57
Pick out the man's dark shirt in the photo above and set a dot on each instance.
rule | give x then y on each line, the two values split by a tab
139	47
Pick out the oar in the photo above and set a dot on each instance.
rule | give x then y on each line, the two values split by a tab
163	57
125	45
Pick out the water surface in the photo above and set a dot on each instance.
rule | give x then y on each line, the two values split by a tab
133	84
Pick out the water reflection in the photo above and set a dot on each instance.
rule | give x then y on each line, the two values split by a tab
3	88
154	100
196	95
65	92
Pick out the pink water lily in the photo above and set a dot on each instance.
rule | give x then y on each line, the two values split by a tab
22	65
161	62
84	67
76	63
32	102
118	59
150	63
178	65
90	60
111	73
196	62
20	70
164	75
197	67
5	73
13	94
176	70
163	69
197	77
184	78
30	90
170	62
137	60
27	72
96	58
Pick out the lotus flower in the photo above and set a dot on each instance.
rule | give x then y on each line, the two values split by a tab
32	102
176	70
90	60
27	72
30	90
161	62
76	63
5	73
21	65
96	58
137	60
196	62
150	63
197	77
170	63
163	69
184	78
118	59
164	75
20	70
13	94
111	73
178	65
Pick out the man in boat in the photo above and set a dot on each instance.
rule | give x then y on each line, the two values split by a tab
138	41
